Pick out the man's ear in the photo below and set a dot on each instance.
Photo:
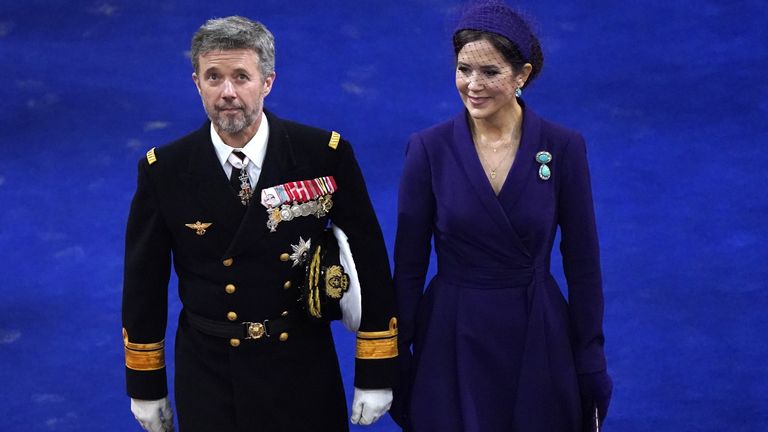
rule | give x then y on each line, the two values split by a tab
196	80
268	82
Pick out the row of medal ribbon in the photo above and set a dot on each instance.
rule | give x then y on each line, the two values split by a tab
297	192
301	198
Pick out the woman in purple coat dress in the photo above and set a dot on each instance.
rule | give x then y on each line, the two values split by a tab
492	345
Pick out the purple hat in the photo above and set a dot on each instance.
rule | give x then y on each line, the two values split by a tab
496	17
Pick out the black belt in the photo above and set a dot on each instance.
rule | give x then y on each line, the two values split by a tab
246	330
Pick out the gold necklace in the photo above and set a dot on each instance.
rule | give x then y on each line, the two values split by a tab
492	173
495	149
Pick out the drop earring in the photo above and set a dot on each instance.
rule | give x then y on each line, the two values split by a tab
518	91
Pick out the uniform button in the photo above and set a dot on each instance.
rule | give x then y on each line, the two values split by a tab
234	342
229	288
231	316
228	262
283	337
287	285
284	257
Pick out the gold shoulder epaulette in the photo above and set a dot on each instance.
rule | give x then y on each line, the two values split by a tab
144	357
151	158
378	345
334	141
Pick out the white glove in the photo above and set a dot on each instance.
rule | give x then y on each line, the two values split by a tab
369	405
153	415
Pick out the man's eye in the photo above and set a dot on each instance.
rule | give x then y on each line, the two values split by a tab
213	77
242	77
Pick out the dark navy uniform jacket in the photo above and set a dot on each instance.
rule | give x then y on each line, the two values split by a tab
238	271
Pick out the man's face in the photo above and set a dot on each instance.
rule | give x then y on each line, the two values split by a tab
232	88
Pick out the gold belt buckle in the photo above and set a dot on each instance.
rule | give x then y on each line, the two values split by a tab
255	330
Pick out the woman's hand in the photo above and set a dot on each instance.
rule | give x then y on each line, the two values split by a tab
596	389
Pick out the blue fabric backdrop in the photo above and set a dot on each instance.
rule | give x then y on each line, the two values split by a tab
671	96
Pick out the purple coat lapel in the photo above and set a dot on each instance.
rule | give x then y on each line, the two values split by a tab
524	169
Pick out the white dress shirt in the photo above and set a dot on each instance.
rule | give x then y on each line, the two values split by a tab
254	150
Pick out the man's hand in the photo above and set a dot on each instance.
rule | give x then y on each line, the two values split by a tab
153	415
369	405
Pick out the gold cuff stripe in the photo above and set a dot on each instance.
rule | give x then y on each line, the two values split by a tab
376	335
141	347
392	332
144	357
151	158
334	142
378	345
376	349
144	360
145	347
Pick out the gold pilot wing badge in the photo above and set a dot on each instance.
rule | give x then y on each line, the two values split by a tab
199	227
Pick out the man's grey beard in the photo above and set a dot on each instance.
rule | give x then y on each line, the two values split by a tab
234	126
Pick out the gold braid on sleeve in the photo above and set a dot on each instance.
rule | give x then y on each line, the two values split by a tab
378	345
144	357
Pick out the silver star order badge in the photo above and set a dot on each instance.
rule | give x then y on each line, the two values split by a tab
300	251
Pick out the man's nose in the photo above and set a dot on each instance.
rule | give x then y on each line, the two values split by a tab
228	90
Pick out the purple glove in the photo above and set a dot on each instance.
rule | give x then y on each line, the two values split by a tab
595	389
402	391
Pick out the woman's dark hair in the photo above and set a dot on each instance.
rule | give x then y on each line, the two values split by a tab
507	49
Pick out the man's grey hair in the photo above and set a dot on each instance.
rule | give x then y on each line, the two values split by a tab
235	32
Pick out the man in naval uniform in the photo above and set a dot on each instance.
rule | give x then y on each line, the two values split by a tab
236	206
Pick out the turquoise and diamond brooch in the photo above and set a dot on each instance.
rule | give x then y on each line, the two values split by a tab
544	157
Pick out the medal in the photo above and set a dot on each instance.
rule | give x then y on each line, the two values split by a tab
273	219
245	188
300	251
324	204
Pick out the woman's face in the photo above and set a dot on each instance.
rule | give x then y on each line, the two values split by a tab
486	82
